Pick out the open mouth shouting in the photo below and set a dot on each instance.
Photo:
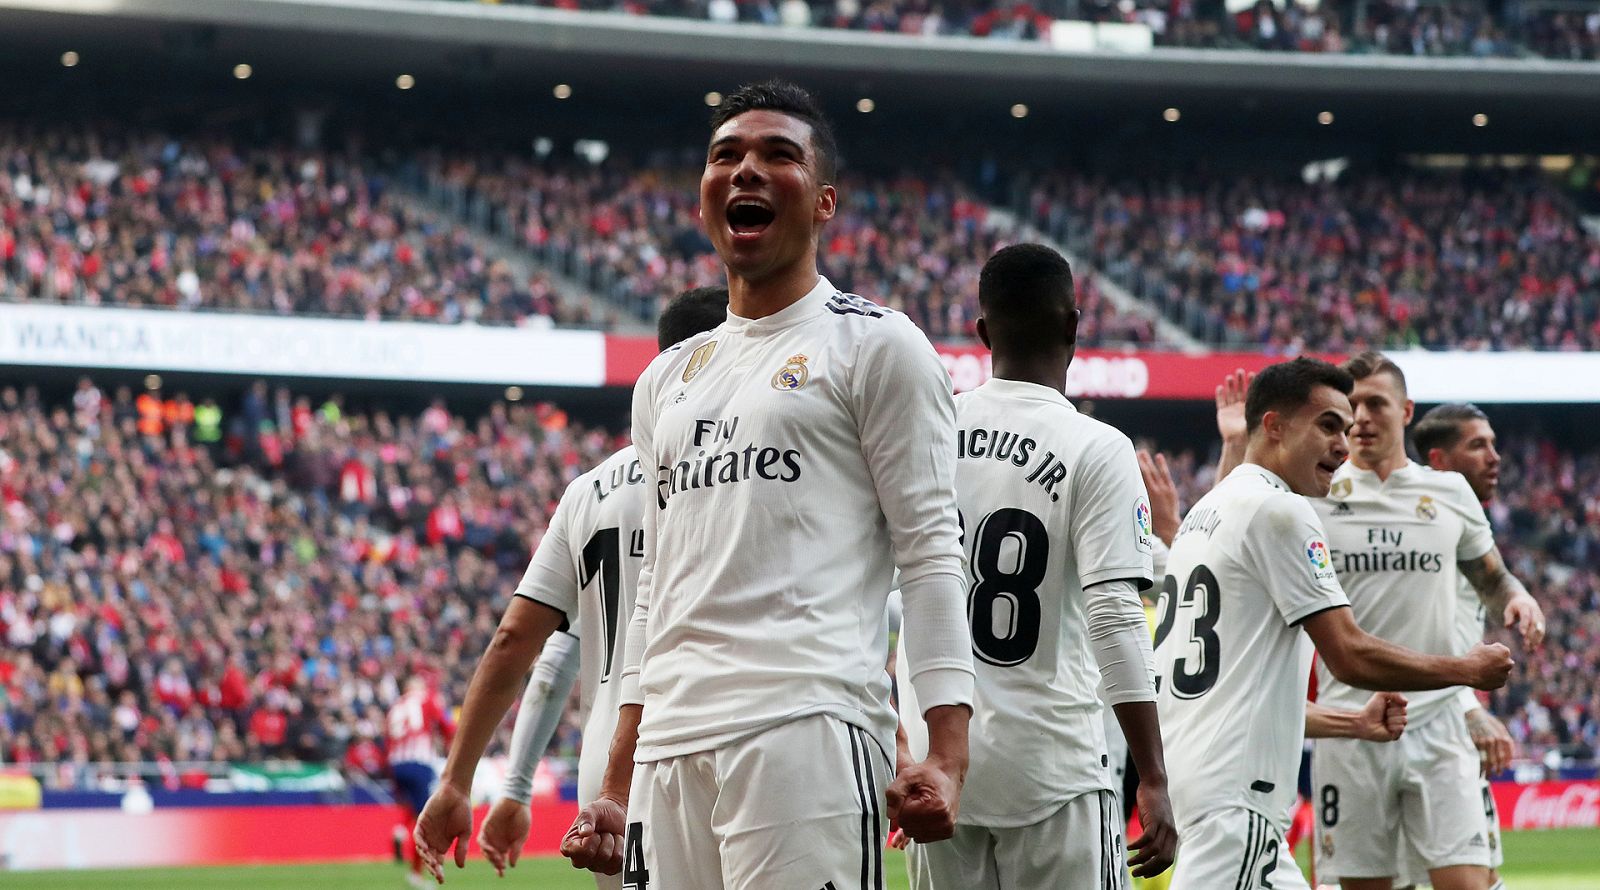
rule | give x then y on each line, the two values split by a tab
748	217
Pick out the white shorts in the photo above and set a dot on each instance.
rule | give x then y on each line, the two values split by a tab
1414	873
1235	849
1078	846
797	807
1383	809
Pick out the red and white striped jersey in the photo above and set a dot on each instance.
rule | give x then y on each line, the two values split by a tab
412	723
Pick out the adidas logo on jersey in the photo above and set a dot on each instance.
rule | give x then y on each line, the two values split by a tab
1342	509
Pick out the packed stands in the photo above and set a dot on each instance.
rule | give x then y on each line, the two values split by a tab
256	582
913	243
1470	260
128	218
187	581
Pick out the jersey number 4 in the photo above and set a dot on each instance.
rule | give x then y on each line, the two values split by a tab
1196	672
1010	555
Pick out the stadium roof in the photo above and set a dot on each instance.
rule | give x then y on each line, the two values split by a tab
613	61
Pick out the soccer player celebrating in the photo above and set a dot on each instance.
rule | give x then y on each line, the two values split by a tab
798	455
1058	529
1249	568
1458	438
1402	535
584	567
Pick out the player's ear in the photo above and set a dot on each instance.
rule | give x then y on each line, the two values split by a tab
827	203
983	334
1272	426
1411	409
1072	327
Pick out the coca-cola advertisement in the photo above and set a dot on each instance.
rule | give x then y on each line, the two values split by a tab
1548	805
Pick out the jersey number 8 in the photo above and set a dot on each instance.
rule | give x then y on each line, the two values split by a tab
1010	555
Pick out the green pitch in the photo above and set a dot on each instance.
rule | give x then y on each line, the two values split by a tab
1537	860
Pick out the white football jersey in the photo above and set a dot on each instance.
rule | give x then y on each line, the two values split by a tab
1051	501
1395	545
795	460
1249	563
587	566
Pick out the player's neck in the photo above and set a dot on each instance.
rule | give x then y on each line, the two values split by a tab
1048	372
769	295
1381	467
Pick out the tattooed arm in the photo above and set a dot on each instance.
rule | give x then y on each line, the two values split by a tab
1504	595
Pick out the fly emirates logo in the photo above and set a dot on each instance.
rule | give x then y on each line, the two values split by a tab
720	460
1386	552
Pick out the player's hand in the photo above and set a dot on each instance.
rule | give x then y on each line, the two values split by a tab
898	839
1163	493
1489	665
1230	405
1383	719
1495	745
446	820
596	837
504	834
1524	614
923	800
1153	851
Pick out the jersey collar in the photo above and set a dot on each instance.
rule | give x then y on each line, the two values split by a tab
1349	470
1021	389
1262	473
797	311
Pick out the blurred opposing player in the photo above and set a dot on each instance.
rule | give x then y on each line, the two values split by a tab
799	454
1459	438
415	720
1058	529
585	567
1248	569
1402	537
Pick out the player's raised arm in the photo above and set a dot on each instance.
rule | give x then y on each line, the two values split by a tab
901	395
1231	426
1367	662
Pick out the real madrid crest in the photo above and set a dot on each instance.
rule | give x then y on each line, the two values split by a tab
1426	509
1327	844
699	359
792	375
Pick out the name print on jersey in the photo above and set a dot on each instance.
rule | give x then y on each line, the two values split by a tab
1015	449
1387	555
724	467
604	486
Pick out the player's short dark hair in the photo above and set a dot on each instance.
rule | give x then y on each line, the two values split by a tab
1025	292
1369	363
1286	386
1441	427
790	99
694	311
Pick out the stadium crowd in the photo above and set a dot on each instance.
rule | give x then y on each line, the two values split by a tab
1477	260
183	582
140	219
914	243
194	585
1388	27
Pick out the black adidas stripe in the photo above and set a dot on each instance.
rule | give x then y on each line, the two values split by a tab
867	747
861	792
1248	856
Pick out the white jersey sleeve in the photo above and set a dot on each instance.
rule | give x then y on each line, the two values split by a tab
1111	534
1477	535
1286	547
643	426
543	702
549	578
902	397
